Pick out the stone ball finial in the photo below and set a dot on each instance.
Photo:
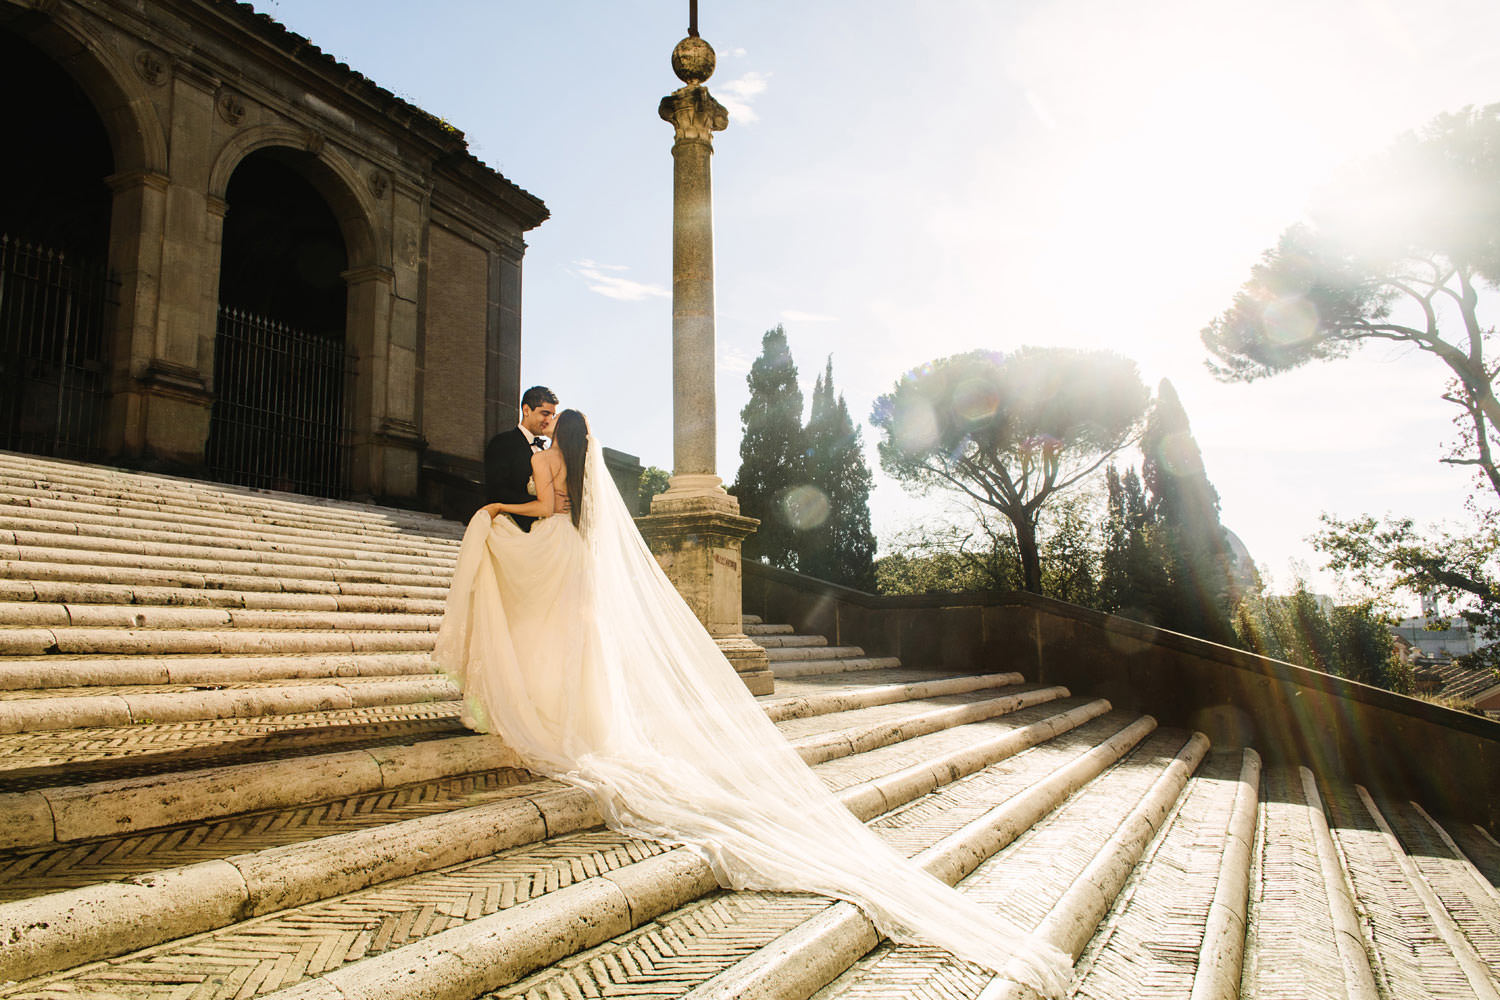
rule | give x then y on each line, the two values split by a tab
693	60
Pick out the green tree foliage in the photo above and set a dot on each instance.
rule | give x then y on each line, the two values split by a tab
1184	508
835	542
914	572
1133	576
975	553
1459	566
1396	252
654	480
771	452
1351	641
1010	431
1399	251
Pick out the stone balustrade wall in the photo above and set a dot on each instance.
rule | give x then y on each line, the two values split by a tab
1400	745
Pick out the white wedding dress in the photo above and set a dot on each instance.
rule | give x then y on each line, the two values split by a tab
574	646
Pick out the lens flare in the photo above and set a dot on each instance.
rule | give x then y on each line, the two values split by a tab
915	428
1178	455
975	401
805	507
1290	321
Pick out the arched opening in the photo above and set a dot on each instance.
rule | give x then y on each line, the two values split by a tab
56	301
280	416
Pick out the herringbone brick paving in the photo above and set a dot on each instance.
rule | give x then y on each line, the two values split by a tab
907	971
277	684
1029	876
1471	902
671	955
34	872
1022	881
894	712
268	953
627	966
810	727
1149	945
30	873
977	793
65	757
794	687
321	936
1290	950
1479	847
1410	958
838	774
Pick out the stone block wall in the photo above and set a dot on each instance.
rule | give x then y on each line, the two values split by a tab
186	90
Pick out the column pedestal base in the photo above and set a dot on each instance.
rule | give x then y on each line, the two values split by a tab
697	539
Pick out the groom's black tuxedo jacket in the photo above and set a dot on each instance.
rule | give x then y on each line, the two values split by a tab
507	469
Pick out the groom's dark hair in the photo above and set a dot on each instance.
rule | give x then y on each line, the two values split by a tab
537	395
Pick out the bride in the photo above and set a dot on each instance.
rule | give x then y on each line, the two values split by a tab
571	643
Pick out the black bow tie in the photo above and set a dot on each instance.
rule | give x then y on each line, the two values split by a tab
539	444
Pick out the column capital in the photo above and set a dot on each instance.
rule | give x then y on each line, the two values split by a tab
129	179
694	114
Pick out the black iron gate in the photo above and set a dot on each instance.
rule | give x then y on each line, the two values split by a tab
279	419
55	312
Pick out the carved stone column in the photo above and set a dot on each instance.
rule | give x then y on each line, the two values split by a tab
695	528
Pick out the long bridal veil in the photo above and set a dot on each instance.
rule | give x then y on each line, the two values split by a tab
576	648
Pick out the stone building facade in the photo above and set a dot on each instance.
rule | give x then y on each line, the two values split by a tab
309	283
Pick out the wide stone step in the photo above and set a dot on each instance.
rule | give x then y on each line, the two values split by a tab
813	668
1462	903
798	701
236	573
223	738
855	731
183	901
700	949
72	812
787	654
1179	922
1419	943
1059	878
306	521
28	471
92	707
78	592
770	642
499	948
83	671
755	628
434	540
115	570
168	641
34	528
47	547
56	758
142	616
40	870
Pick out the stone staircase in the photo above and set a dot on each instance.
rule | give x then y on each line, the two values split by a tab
227	770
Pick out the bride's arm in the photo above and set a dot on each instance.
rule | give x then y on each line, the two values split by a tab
546	497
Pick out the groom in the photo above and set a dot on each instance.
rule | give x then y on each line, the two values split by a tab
507	458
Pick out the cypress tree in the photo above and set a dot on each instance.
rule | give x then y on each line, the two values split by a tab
771	454
1185	509
838	545
1133	580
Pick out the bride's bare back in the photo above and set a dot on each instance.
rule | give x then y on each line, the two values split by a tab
550	474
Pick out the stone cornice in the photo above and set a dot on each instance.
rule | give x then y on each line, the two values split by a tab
700	522
241	27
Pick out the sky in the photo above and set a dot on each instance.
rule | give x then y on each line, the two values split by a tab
904	181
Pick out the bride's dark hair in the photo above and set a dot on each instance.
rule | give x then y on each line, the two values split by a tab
572	437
